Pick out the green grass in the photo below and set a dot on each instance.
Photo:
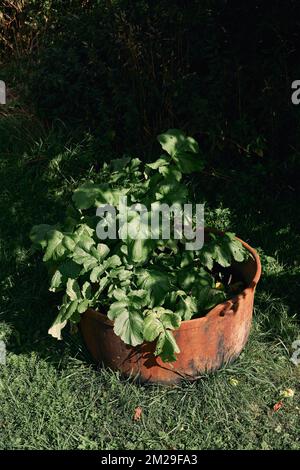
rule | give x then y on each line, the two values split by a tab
53	397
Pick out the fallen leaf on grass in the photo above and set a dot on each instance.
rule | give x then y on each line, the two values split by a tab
288	393
137	414
277	406
233	381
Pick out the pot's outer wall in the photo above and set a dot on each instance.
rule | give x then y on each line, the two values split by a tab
205	343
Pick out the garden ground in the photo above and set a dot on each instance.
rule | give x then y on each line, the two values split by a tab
53	397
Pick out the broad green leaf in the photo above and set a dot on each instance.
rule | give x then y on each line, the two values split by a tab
157	322
134	299
73	289
112	196
184	150
171	192
187	307
206	258
137	298
156	283
118	164
189	163
134	164
67	269
187	258
86	290
236	248
117	309
55	248
163	161
129	326
170	320
166	347
103	250
170	173
120	294
84	232
152	326
96	273
56	281
38	234
86	255
104	281
83	306
86	195
186	278
69	243
120	277
207	297
139	250
87	243
222	255
71	310
90	194
216	250
175	142
108	264
59	245
85	258
113	262
221	249
121	273
67	310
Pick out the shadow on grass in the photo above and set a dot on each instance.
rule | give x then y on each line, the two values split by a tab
33	191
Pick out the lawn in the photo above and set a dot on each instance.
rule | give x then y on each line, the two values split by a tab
51	394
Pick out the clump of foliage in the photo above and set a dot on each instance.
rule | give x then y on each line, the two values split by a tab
147	287
136	67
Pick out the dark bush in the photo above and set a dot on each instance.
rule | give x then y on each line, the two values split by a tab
221	69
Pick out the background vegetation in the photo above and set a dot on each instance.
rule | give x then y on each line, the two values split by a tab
91	80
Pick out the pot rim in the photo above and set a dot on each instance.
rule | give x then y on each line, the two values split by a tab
216	311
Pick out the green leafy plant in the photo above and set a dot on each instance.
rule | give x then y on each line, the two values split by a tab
146	287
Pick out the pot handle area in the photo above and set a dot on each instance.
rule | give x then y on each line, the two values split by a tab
228	307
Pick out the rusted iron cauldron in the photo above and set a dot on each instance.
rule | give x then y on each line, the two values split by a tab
206	343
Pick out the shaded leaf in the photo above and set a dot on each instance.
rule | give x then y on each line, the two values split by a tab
38	234
157	284
129	326
167	347
73	289
137	414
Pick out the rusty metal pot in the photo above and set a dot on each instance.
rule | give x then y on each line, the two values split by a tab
206	343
